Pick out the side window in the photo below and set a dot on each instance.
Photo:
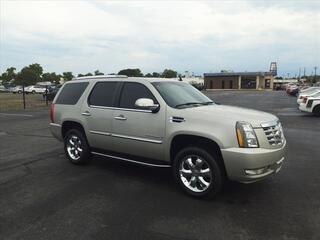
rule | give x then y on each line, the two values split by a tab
131	92
71	92
103	94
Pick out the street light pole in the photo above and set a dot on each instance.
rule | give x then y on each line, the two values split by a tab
23	95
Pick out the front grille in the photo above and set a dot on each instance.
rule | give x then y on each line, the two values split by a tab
274	133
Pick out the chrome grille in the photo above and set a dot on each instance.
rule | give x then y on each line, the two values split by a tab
274	133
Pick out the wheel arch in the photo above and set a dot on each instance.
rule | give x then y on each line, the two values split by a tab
181	141
70	124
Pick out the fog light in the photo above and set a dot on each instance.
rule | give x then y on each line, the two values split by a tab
256	171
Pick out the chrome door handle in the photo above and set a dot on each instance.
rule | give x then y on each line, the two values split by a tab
121	117
86	113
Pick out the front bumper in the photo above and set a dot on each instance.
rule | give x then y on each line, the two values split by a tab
303	108
241	163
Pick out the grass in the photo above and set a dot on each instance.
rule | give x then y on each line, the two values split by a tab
10	101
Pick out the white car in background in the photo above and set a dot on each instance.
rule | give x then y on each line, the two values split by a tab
311	104
309	92
36	89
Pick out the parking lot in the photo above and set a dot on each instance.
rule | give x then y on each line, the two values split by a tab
43	196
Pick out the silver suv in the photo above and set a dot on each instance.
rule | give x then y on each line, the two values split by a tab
167	123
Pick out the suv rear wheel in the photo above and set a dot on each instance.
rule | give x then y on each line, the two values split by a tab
76	147
198	172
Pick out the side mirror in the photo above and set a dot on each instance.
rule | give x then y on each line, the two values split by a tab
147	104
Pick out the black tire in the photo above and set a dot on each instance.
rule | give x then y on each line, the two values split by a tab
19	92
81	157
316	111
33	92
211	161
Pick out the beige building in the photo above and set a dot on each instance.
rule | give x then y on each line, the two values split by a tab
239	80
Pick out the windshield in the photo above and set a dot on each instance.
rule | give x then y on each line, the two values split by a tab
181	94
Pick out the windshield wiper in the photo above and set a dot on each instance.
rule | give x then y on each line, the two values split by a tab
187	104
193	103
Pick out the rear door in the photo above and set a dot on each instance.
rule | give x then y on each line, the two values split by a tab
98	114
138	132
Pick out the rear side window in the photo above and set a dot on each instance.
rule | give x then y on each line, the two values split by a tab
131	92
103	94
71	93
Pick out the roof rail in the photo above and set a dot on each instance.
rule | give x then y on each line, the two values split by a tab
100	77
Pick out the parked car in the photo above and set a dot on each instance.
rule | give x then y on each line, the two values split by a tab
3	88
293	90
167	123
36	89
52	91
17	89
307	93
311	104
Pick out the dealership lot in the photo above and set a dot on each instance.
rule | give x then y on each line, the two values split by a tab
42	195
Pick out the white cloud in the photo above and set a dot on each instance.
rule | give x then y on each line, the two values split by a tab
201	35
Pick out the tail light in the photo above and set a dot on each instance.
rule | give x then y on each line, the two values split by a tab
52	112
305	99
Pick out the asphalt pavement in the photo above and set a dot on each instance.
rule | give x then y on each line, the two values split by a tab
43	196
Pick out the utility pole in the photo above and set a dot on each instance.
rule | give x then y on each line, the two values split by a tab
299	74
304	72
315	74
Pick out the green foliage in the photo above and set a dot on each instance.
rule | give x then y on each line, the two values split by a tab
8	75
51	77
97	73
67	76
169	73
27	76
156	75
148	75
136	72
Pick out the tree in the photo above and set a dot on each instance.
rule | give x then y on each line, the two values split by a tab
136	72
36	68
51	77
168	73
27	77
97	72
8	75
156	75
148	75
67	76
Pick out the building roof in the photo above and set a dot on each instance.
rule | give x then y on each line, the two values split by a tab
228	74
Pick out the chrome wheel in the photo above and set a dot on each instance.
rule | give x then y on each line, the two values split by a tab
195	173
74	147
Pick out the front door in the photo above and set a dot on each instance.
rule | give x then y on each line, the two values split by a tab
136	131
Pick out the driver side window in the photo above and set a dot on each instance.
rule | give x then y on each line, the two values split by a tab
131	92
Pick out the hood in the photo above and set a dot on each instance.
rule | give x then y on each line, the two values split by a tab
233	114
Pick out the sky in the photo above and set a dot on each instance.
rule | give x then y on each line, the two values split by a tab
194	36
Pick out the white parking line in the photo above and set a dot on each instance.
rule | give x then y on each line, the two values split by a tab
14	114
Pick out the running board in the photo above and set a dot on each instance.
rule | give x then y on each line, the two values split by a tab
132	161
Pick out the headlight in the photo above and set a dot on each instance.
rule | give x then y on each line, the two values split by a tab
246	135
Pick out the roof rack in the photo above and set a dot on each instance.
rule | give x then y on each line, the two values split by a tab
100	77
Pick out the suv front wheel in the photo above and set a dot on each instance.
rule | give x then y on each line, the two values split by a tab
198	172
76	147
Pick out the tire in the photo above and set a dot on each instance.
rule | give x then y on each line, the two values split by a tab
76	147
33	92
316	111
204	169
19	91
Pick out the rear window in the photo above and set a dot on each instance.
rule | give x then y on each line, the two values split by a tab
71	93
103	94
